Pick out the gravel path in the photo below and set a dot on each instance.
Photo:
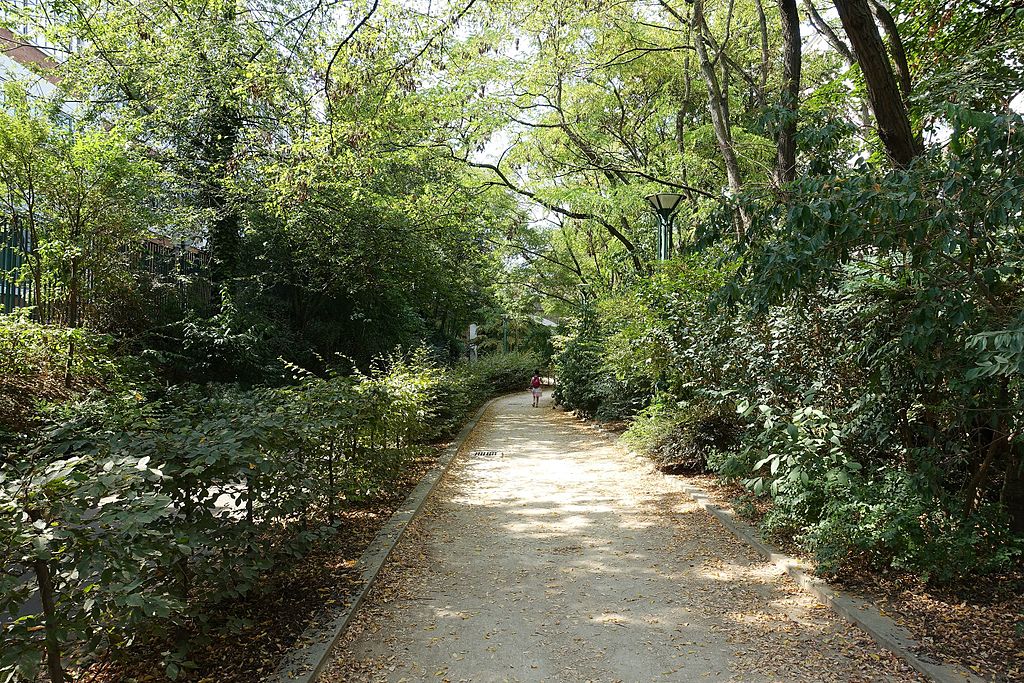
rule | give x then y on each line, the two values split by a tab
564	559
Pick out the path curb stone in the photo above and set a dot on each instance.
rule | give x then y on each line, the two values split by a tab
311	652
861	613
883	629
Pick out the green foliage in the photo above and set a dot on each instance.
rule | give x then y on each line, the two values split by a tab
891	519
333	222
866	338
583	384
29	349
684	437
472	382
151	512
231	345
40	363
645	339
80	196
848	344
502	373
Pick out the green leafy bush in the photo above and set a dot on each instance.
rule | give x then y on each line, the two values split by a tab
471	383
41	363
878	382
232	345
144	513
584	384
891	521
684	437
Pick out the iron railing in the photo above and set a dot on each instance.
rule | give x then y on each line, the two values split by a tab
175	274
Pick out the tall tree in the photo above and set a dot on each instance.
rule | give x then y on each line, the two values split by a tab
717	106
887	102
785	161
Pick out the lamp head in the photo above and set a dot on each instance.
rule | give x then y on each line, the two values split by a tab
665	203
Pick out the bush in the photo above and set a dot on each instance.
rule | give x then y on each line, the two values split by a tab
146	513
684	437
502	373
584	384
893	523
232	345
471	383
45	362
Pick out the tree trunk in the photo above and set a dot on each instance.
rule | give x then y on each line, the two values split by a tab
331	506
785	159
762	28
827	32
726	85
883	92
998	440
31	248
72	318
719	118
833	39
681	132
225	228
46	596
224	232
1012	495
896	49
37	287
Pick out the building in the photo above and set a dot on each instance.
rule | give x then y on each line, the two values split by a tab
26	54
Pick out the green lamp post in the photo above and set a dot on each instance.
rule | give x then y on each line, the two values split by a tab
665	205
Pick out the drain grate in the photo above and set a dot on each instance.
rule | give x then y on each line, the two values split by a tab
487	454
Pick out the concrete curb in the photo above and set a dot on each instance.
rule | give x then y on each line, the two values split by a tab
311	652
861	613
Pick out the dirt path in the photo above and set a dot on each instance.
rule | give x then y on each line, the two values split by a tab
564	559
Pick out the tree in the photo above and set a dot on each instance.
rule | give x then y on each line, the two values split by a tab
82	196
23	134
717	103
205	84
886	99
785	160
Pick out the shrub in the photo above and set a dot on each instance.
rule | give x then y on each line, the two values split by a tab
471	383
583	382
45	362
232	345
145	513
892	522
684	437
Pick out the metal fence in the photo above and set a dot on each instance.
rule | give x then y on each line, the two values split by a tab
14	246
174	275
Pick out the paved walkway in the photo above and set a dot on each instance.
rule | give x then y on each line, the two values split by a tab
564	559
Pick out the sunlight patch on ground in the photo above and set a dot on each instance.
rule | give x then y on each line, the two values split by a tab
566	560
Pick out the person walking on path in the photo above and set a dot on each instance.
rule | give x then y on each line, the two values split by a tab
535	389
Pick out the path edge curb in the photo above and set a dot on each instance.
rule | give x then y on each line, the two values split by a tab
307	658
882	629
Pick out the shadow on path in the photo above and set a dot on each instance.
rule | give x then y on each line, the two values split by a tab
564	559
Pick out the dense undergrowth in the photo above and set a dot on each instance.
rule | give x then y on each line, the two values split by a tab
857	359
136	510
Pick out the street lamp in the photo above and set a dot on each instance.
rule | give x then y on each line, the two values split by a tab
665	205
